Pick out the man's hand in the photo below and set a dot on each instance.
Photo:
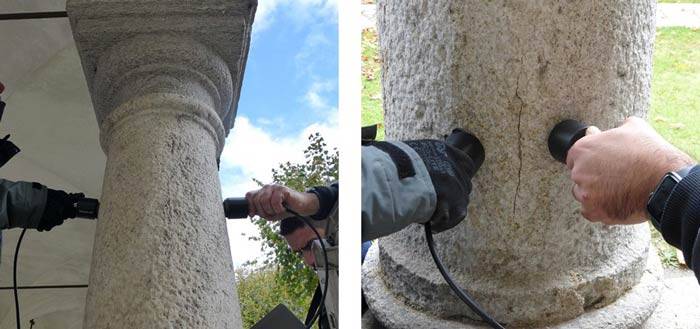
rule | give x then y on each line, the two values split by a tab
451	171
268	201
615	171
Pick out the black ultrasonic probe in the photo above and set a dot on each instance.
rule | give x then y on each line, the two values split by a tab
563	136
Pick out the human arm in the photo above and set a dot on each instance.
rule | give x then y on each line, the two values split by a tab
32	205
394	197
417	181
21	204
268	202
615	172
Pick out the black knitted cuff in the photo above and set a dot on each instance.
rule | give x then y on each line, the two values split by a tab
327	198
679	220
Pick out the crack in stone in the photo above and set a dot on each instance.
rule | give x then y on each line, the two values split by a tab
520	138
520	150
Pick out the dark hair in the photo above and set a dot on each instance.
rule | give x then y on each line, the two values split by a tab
290	224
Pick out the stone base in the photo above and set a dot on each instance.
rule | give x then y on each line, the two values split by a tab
629	311
678	307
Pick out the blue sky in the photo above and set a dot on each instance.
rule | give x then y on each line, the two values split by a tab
290	90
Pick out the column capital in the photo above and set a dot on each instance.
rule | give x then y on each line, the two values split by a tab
192	49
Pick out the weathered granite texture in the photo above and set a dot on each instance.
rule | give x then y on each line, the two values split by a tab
508	71
631	310
224	26
164	78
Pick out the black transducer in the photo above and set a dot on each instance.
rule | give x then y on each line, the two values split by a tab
563	136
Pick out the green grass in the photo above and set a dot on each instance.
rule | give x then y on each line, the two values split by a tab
679	1
259	291
675	100
371	82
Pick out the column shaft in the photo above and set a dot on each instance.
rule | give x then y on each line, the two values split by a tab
161	257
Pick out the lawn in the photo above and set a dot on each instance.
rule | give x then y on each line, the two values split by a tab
371	82
675	100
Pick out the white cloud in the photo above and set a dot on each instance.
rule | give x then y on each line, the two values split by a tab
314	95
301	10
252	152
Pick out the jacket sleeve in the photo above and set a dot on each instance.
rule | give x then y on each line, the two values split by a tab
327	200
396	189
680	220
21	204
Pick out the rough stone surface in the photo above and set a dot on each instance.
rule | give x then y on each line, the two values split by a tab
161	257
164	77
629	311
509	71
677	308
224	26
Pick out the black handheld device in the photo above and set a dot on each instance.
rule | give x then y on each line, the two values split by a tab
87	208
563	136
236	208
468	144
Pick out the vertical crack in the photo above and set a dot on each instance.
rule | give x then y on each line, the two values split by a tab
521	105
520	150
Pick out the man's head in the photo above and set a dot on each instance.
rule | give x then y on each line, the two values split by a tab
300	237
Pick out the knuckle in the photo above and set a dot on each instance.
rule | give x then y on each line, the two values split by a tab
585	197
576	175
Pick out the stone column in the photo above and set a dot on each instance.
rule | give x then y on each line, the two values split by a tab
508	71
165	78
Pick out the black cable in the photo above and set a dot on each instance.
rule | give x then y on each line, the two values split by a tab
325	259
460	293
14	278
36	15
65	286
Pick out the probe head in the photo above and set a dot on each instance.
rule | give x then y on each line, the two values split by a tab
563	136
469	144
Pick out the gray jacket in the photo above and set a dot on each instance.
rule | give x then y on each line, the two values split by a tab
390	203
21	205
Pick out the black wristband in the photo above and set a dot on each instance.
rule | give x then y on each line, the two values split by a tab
327	198
678	215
